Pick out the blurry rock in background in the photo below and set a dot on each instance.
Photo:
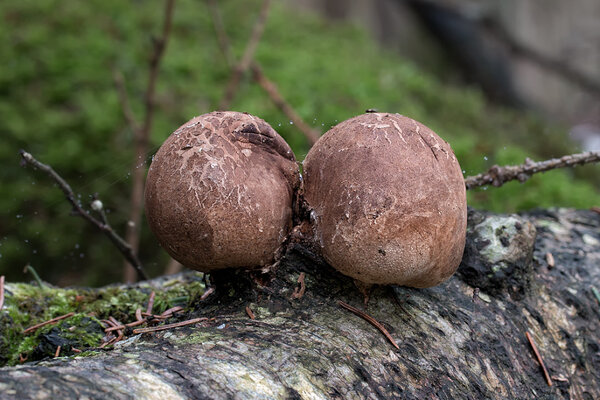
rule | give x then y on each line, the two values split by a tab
541	54
587	136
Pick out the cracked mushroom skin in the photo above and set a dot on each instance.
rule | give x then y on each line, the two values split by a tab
219	192
388	201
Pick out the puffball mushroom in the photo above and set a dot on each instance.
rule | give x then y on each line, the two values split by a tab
219	192
388	201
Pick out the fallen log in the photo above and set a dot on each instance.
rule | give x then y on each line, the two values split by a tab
464	339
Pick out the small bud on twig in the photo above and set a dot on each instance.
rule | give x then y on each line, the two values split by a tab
97	205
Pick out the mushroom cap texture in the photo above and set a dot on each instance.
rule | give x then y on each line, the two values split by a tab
388	199
219	192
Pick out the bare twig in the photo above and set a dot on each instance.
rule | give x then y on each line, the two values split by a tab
150	303
142	136
208	292
1	292
299	291
169	326
498	176
247	57
269	87
50	321
124	100
371	320
117	326
57	352
250	313
222	38
129	325
108	343
121	244
539	358
171	311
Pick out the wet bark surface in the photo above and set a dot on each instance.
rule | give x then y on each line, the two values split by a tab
456	340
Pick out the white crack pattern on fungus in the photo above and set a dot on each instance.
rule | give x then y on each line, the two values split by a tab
219	192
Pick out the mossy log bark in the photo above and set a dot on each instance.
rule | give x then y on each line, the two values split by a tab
455	341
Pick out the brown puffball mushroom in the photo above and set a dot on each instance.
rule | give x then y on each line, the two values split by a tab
219	192
388	201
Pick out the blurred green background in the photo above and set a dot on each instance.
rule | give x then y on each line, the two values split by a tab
58	101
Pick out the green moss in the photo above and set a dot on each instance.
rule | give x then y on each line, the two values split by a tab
27	305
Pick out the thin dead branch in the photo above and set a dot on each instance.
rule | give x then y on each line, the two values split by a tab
207	293
109	342
222	37
243	65
114	325
142	135
169	326
539	358
299	291
57	352
171	311
498	176
370	320
150	302
119	81
267	85
271	89
250	313
50	321
125	249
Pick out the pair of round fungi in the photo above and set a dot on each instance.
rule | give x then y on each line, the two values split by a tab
385	195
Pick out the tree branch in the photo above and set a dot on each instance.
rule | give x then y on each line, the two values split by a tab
222	37
121	244
271	89
247	57
268	86
124	100
142	135
498	176
160	45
